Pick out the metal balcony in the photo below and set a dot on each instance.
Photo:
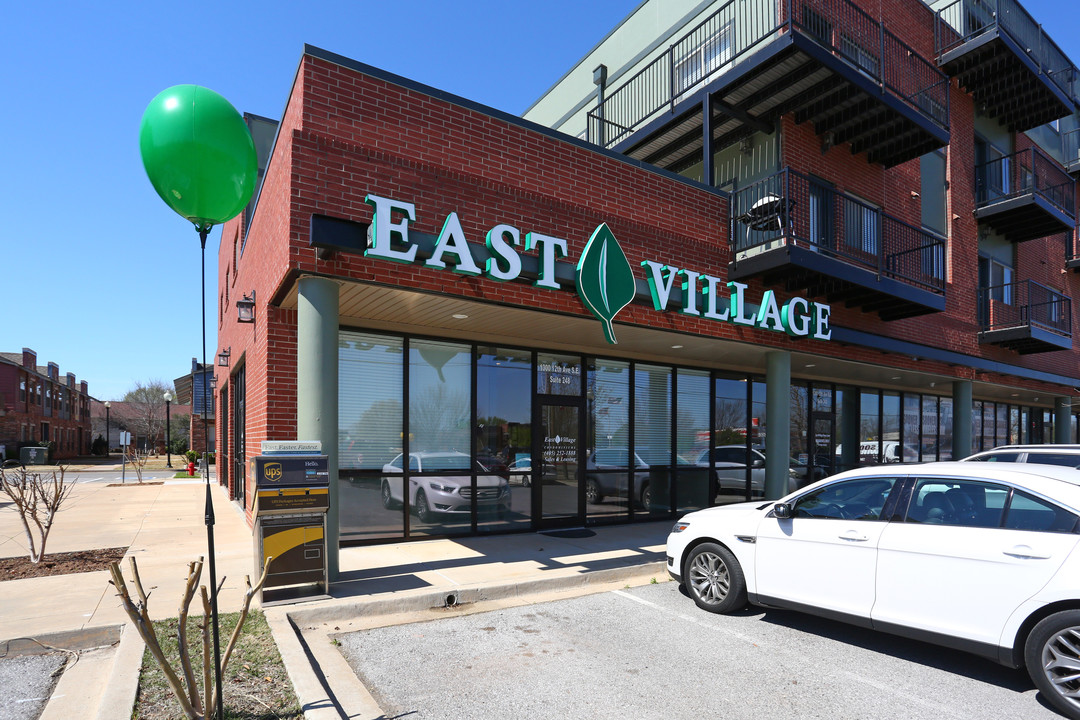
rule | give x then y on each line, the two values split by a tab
1001	56
752	61
792	231
1025	196
1025	316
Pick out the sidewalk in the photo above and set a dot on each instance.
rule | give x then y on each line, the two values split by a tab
384	584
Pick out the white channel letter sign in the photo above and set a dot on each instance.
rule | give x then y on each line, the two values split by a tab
719	300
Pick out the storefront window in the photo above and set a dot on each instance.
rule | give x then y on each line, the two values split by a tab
989	415
1002	425
370	416
652	412
1014	426
945	429
759	430
892	449
691	441
976	428
869	428
912	436
609	486
929	449
440	392
503	429
799	435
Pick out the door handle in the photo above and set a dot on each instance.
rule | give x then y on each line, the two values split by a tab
854	536
1025	552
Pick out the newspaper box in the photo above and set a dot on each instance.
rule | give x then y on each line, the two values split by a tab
291	499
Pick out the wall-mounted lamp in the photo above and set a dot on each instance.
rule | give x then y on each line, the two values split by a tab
223	357
245	309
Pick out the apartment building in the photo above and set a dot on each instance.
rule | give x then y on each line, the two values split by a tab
737	247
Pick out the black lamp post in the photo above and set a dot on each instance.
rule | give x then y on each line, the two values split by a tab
168	431
107	449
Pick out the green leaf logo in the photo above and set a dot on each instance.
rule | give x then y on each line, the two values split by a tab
605	280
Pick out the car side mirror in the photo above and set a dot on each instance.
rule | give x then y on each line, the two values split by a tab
782	510
758	462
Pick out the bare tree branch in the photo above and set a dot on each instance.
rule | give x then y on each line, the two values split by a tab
37	498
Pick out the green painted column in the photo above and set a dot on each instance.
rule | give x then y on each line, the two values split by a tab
778	419
1062	420
961	419
850	420
317	387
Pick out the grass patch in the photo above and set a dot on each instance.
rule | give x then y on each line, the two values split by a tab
184	476
255	684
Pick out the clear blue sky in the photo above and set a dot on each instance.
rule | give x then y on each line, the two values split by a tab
99	275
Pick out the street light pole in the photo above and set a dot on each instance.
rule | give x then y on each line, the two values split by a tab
107	405
168	430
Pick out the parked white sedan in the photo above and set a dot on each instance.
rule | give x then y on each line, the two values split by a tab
973	556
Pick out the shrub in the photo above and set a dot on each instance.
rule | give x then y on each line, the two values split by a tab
191	456
210	458
98	447
178	447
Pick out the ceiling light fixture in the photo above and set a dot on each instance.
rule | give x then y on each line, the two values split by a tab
460	316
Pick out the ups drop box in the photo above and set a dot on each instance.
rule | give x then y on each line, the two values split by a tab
292	495
290	484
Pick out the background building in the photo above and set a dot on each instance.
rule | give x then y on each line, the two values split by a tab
38	405
764	242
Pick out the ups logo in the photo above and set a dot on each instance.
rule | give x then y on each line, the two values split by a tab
272	471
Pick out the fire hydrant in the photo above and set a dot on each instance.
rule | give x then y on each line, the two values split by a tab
191	469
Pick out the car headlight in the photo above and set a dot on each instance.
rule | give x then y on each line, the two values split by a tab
443	487
680	526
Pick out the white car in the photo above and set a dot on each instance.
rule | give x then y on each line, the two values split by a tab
976	556
450	493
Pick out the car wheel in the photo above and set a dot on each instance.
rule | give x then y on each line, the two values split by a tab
714	579
387	498
592	492
646	497
423	512
525	480
1052	655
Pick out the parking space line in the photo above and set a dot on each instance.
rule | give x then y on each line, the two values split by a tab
688	618
942	710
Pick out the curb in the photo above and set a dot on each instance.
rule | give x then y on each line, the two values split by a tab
460	595
73	640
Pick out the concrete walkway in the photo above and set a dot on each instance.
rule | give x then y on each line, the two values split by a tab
164	529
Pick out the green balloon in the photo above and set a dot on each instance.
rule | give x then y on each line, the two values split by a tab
198	154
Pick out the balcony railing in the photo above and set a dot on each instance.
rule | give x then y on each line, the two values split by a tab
1024	303
965	20
741	27
1028	172
1070	149
789	208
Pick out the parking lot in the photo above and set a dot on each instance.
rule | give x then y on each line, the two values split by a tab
648	652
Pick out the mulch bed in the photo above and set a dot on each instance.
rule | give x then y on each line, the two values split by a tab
135	484
60	563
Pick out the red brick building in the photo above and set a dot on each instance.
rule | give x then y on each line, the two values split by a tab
529	329
38	405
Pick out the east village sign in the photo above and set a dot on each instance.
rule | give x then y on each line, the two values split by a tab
605	278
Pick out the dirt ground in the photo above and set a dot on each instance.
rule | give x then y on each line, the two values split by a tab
80	561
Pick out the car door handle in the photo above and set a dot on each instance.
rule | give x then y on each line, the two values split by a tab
854	536
1025	552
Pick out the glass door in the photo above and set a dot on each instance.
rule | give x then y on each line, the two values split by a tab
239	430
558	491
